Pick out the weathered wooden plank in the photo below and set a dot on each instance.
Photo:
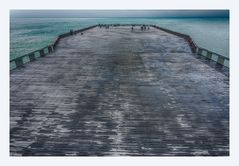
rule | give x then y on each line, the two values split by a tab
119	92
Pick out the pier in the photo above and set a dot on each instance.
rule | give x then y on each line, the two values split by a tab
111	91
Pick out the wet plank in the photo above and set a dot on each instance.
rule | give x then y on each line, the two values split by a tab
119	92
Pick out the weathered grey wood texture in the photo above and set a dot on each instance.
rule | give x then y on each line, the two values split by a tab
117	92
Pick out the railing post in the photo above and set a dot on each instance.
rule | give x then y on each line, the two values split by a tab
42	54
56	42
71	32
220	60
209	55
32	57
194	48
19	62
191	44
199	51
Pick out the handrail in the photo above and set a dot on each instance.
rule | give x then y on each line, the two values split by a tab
32	56
219	59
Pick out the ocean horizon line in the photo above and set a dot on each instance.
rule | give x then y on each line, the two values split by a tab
130	17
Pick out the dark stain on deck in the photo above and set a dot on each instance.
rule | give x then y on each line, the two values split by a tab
119	92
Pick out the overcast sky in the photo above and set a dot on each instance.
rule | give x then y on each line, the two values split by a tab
119	13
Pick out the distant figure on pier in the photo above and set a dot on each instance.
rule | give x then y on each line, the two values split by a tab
132	28
144	27
148	28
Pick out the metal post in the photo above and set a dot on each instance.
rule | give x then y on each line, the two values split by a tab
19	62
32	57
199	51
42	54
209	55
220	60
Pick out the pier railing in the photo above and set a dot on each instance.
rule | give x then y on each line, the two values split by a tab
32	56
220	60
217	58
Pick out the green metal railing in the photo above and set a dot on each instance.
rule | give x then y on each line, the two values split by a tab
219	59
212	56
32	56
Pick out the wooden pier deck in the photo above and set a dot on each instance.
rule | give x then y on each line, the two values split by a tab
119	92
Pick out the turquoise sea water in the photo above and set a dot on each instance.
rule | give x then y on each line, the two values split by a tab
29	34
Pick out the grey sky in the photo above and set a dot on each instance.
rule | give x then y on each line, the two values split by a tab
119	13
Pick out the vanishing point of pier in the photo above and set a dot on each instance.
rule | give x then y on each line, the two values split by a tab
118	91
